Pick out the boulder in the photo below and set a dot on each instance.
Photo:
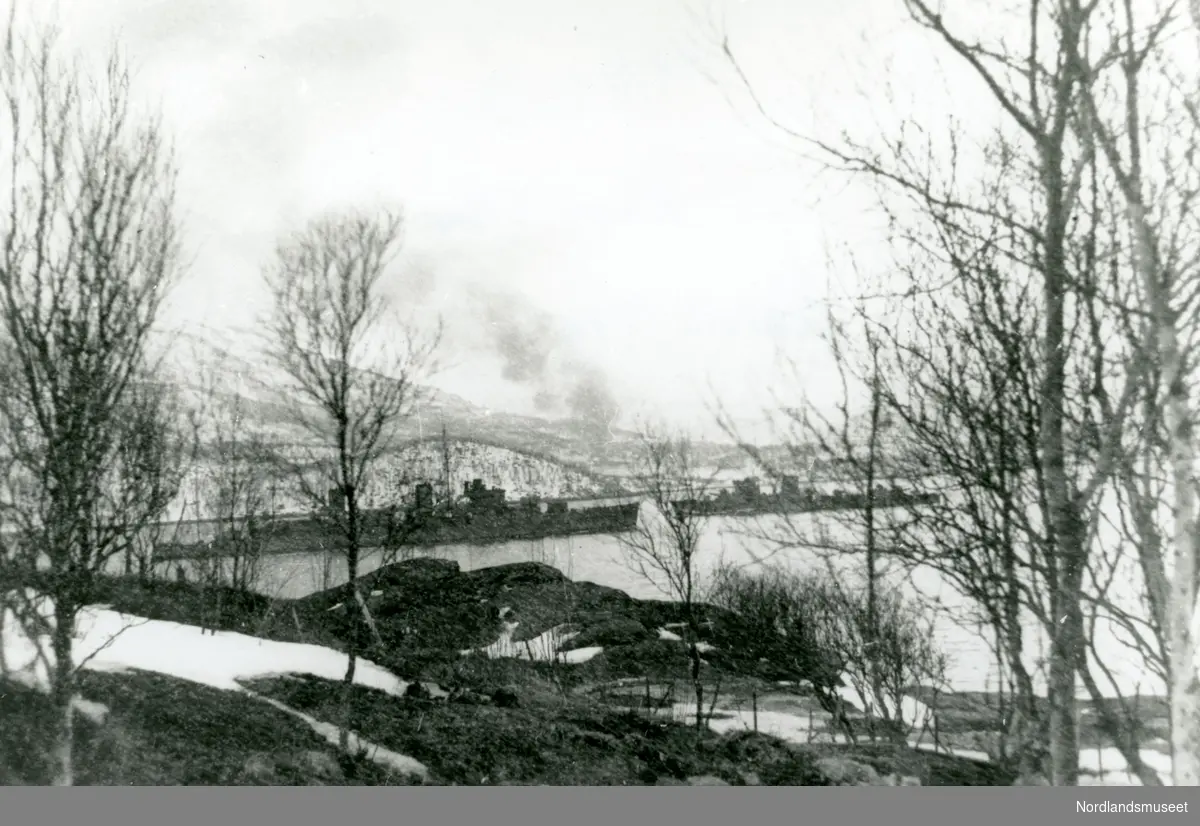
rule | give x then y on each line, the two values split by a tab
706	780
506	697
467	697
416	691
842	771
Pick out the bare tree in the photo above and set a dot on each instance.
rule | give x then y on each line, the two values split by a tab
769	629
1037	92
241	488
664	545
89	249
331	339
1156	174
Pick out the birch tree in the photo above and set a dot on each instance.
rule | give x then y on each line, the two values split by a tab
1036	91
663	547
1156	173
353	368
88	250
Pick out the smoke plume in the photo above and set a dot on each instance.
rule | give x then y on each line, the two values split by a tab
533	353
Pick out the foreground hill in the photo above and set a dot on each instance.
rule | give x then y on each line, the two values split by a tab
462	706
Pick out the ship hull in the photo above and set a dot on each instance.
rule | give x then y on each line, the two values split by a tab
779	506
306	536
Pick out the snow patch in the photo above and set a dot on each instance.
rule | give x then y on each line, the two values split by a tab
795	728
545	647
106	640
580	655
378	754
1107	767
913	714
96	712
664	634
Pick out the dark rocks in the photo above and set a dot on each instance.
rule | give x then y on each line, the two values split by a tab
616	632
506	697
601	740
416	691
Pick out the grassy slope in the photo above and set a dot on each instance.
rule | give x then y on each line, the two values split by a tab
161	732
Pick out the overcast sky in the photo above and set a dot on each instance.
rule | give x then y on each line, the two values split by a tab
586	189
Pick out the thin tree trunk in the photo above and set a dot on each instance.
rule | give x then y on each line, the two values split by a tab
63	692
1184	611
353	644
1067	545
352	648
869	515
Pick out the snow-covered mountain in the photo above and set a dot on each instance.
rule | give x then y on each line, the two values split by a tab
204	362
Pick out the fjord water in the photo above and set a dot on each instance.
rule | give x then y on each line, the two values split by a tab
602	560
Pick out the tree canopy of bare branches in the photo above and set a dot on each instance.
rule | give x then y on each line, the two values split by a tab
664	545
353	368
1039	344
91	438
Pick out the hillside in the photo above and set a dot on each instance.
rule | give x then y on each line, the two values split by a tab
519	473
202	363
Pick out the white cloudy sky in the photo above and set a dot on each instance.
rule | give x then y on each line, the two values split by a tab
592	161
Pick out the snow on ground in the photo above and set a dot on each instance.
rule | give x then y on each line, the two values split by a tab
580	655
116	641
545	647
913	713
664	634
1109	768
106	640
110	641
795	728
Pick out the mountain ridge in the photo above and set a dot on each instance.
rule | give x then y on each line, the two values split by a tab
204	361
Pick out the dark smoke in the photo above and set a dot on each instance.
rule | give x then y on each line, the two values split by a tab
527	342
522	338
592	401
546	402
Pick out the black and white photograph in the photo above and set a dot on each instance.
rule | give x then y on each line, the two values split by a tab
600	393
